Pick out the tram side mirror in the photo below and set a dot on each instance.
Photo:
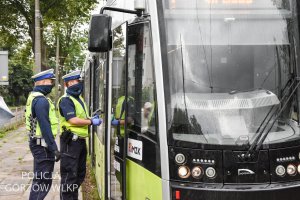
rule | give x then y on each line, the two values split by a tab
100	33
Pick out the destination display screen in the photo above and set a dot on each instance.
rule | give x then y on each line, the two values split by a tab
230	1
224	4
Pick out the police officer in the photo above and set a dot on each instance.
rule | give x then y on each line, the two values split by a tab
74	121
42	125
118	119
119	116
118	122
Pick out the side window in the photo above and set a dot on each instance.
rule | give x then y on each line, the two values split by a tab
87	84
96	80
141	80
119	71
99	91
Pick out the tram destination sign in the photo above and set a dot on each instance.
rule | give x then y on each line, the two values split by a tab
3	67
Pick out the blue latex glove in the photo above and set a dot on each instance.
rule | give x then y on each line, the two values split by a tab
96	120
115	122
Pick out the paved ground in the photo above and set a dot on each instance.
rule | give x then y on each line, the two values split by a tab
16	167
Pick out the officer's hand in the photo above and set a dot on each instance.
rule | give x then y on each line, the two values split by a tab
115	122
57	155
96	121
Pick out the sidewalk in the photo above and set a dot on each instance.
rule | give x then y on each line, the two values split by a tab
16	168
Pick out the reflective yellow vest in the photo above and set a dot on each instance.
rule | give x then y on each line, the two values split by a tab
32	124
81	131
119	109
118	112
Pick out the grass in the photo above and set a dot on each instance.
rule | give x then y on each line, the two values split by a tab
6	131
13	107
11	151
25	139
89	186
20	159
2	133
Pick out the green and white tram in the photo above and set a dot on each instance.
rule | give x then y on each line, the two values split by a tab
211	91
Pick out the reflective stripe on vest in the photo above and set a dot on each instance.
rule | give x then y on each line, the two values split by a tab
81	131
32	124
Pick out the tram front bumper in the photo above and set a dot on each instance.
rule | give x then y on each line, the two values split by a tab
279	191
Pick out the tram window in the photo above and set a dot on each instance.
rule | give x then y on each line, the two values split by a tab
216	47
118	72
141	80
102	83
87	85
96	89
98	93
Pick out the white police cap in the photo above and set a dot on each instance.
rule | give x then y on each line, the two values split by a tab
47	74
72	76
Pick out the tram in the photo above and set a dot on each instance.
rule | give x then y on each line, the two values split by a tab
210	93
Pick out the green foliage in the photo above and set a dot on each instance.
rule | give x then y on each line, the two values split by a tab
20	84
119	42
89	186
147	94
66	19
20	72
11	28
68	25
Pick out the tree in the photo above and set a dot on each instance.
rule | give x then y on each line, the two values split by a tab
60	18
20	84
20	72
65	17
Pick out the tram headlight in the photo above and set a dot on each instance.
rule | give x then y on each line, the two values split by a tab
210	172
183	172
280	170
291	170
197	172
299	168
180	158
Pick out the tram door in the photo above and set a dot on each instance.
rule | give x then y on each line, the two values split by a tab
117	132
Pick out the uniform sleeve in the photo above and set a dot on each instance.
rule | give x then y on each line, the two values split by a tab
67	108
41	110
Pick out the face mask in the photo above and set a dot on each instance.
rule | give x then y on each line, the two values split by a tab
45	89
76	89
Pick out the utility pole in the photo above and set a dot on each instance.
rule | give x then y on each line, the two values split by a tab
56	70
37	38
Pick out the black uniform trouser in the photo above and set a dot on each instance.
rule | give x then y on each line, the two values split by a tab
43	168
72	168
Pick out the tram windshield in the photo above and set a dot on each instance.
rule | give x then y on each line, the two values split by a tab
229	63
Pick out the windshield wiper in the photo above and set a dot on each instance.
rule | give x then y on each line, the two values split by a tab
263	135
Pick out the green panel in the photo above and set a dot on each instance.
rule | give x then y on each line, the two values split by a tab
100	167
141	183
